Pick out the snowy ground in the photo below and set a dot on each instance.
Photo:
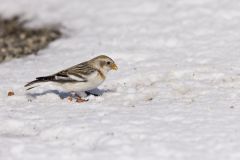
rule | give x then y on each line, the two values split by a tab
175	96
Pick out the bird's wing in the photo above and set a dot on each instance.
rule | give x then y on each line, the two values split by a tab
78	73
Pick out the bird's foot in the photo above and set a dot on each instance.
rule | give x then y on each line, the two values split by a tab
69	99
75	96
80	100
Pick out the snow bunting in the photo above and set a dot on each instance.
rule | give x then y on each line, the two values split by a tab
81	77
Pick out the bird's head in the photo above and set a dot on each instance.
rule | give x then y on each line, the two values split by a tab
104	63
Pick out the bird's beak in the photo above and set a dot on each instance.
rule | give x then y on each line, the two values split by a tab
114	66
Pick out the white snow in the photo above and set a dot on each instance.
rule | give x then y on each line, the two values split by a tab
175	96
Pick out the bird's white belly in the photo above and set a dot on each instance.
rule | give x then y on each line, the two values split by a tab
82	86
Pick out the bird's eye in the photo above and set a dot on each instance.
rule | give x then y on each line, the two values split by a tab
108	62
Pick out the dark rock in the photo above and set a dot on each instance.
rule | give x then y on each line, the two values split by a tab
16	40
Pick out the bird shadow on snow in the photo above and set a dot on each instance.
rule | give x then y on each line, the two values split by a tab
62	95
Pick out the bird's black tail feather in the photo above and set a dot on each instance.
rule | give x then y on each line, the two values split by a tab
39	80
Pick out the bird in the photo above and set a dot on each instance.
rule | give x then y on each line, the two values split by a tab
82	77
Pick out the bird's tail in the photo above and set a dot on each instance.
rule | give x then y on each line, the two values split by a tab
38	81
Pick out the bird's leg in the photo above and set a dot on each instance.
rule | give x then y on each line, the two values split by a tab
79	99
70	97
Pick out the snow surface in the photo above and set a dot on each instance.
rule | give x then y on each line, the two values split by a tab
175	96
